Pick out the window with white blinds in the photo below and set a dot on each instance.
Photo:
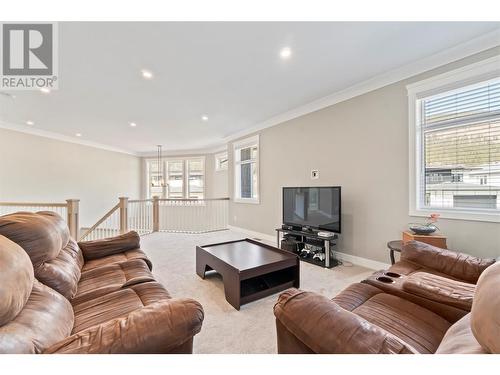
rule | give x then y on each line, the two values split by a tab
459	144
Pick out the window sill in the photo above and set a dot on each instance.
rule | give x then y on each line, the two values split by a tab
492	217
247	200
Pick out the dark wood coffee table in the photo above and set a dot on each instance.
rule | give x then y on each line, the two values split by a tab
250	270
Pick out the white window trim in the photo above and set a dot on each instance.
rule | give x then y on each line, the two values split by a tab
185	175
219	156
251	141
470	74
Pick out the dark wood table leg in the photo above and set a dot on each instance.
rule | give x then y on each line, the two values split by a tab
201	264
392	256
232	288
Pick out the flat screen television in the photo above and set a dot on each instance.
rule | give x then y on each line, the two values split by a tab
313	207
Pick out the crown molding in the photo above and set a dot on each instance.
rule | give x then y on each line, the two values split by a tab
192	152
63	138
460	51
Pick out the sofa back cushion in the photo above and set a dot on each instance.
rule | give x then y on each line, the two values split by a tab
56	258
485	314
35	233
16	279
458	265
460	340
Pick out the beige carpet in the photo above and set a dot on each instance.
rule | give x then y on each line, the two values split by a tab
226	330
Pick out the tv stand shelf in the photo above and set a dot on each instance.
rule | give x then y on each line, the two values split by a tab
329	244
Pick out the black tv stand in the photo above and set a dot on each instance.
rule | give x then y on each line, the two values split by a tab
329	243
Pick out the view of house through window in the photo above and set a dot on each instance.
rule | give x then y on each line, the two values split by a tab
460	133
183	178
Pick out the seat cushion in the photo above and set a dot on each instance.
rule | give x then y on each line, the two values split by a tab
460	340
117	258
46	319
418	327
441	289
117	304
110	278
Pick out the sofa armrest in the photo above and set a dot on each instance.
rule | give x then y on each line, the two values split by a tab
161	327
457	265
110	246
325	327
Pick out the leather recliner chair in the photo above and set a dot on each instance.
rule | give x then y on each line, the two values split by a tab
364	319
57	296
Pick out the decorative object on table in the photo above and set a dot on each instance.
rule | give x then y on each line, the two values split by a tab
425	229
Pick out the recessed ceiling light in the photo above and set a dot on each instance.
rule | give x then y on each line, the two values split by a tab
285	53
45	90
132	124
146	74
29	122
204	118
78	134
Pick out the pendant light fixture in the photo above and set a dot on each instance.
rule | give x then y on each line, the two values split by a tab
159	181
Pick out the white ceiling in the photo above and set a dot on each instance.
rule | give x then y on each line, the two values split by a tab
231	72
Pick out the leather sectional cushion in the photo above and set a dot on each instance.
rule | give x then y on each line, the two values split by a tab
457	265
117	304
418	327
441	289
109	278
46	319
460	340
355	295
167	326
312	322
485	313
37	234
16	279
117	258
110	246
63	272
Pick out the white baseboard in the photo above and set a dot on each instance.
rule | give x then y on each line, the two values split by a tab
253	234
364	262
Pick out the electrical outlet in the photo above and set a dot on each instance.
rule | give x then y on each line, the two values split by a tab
314	174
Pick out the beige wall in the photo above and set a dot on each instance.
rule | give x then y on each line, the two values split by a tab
362	145
39	169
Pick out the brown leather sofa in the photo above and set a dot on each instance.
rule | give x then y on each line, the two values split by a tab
379	317
57	296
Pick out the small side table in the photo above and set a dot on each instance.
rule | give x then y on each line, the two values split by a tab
431	239
393	246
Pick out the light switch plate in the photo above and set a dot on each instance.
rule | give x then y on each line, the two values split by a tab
314	174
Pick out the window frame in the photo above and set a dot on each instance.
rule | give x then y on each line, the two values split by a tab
237	146
219	156
185	176
468	75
